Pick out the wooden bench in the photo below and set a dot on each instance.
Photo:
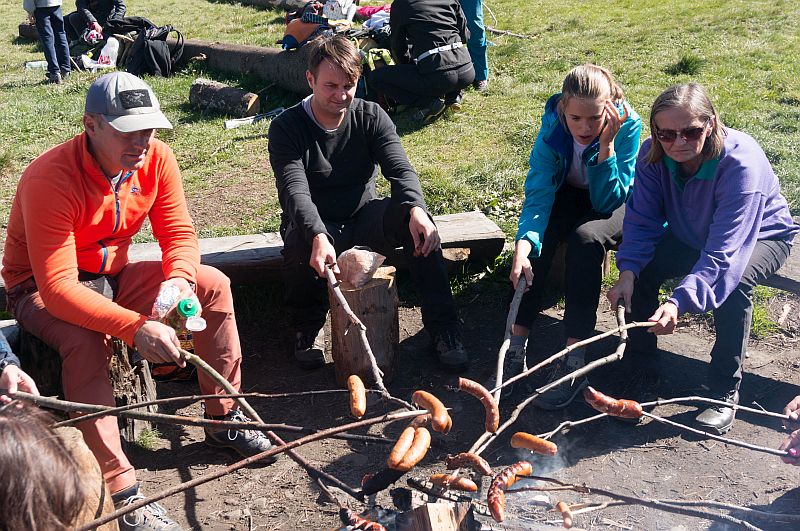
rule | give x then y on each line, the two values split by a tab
256	258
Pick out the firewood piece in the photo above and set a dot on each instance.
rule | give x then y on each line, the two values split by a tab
212	95
430	517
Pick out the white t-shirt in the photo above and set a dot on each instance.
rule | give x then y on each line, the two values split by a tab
577	170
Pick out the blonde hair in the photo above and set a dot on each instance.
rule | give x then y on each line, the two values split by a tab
590	82
693	98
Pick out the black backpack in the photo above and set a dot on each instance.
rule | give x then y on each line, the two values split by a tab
149	52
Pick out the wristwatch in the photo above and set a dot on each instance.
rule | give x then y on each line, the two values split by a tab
5	362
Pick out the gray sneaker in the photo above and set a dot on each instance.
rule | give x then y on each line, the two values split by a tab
309	348
247	442
561	396
151	517
513	364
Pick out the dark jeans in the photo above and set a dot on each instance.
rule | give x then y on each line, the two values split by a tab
405	85
588	235
50	25
381	225
732	319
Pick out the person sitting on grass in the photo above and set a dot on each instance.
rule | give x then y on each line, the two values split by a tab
100	187
581	171
93	15
792	441
428	42
706	207
325	153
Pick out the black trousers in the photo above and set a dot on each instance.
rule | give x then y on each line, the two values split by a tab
588	235
732	319
381	225
405	85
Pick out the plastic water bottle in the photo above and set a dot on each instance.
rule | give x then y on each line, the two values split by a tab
187	322
35	65
108	55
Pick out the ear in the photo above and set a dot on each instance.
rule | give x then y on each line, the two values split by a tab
310	79
90	124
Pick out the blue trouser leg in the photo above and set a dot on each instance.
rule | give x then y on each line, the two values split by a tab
61	44
477	44
45	29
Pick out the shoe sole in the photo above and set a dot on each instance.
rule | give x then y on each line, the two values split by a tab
455	107
713	429
430	118
221	446
551	407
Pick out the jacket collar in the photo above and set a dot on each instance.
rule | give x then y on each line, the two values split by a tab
707	171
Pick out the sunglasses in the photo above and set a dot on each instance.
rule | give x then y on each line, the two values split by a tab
690	134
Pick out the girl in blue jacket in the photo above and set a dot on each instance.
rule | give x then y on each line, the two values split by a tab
581	171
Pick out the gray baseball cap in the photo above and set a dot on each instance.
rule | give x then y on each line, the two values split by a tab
126	102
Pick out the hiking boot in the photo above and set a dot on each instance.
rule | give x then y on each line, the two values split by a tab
309	348
719	419
480	85
151	517
513	364
561	396
54	79
454	104
450	350
432	111
247	442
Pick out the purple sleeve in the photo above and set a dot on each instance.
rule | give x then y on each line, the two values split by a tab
643	226
731	239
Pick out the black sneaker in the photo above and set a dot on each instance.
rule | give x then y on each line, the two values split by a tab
513	364
450	350
54	79
719	419
151	517
432	111
247	442
309	348
561	396
480	86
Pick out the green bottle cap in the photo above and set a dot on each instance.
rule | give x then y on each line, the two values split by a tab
188	308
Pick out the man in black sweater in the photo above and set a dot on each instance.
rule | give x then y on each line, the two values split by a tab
428	42
325	153
93	15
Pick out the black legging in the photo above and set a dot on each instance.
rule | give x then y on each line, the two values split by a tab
405	85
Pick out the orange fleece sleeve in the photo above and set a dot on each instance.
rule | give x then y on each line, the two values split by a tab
172	225
51	250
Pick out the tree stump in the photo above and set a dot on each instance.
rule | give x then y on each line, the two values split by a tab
376	305
131	383
208	94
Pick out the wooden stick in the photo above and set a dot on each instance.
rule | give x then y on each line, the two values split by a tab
362	333
656	504
509	33
510	320
324	434
734	442
312	471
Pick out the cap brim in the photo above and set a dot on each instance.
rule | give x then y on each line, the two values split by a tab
138	122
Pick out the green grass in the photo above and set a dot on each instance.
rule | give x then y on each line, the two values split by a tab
148	439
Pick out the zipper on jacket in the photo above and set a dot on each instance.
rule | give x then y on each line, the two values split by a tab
105	256
114	189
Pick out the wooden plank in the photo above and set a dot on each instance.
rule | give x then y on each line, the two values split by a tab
256	258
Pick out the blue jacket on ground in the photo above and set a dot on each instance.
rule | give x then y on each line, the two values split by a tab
610	181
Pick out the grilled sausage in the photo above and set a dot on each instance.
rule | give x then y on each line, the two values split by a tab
373	483
358	396
419	447
449	481
628	409
421	421
492	421
496	496
401	447
437	410
533	443
349	517
474	461
566	514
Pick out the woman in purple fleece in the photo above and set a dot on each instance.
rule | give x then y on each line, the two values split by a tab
706	206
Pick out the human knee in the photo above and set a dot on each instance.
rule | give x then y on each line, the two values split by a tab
214	289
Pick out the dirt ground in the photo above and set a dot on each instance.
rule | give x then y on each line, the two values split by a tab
649	460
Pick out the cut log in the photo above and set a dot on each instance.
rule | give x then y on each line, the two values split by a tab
215	96
437	517
132	384
376	305
256	258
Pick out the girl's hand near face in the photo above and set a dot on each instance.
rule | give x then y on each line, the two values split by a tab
612	126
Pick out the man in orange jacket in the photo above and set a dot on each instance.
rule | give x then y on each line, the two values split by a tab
76	210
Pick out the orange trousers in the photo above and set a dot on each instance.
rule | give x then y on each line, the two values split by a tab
85	354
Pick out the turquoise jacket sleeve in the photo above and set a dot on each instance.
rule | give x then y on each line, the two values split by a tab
540	192
610	181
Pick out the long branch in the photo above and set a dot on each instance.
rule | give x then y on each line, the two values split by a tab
377	375
509	33
312	471
510	320
248	461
